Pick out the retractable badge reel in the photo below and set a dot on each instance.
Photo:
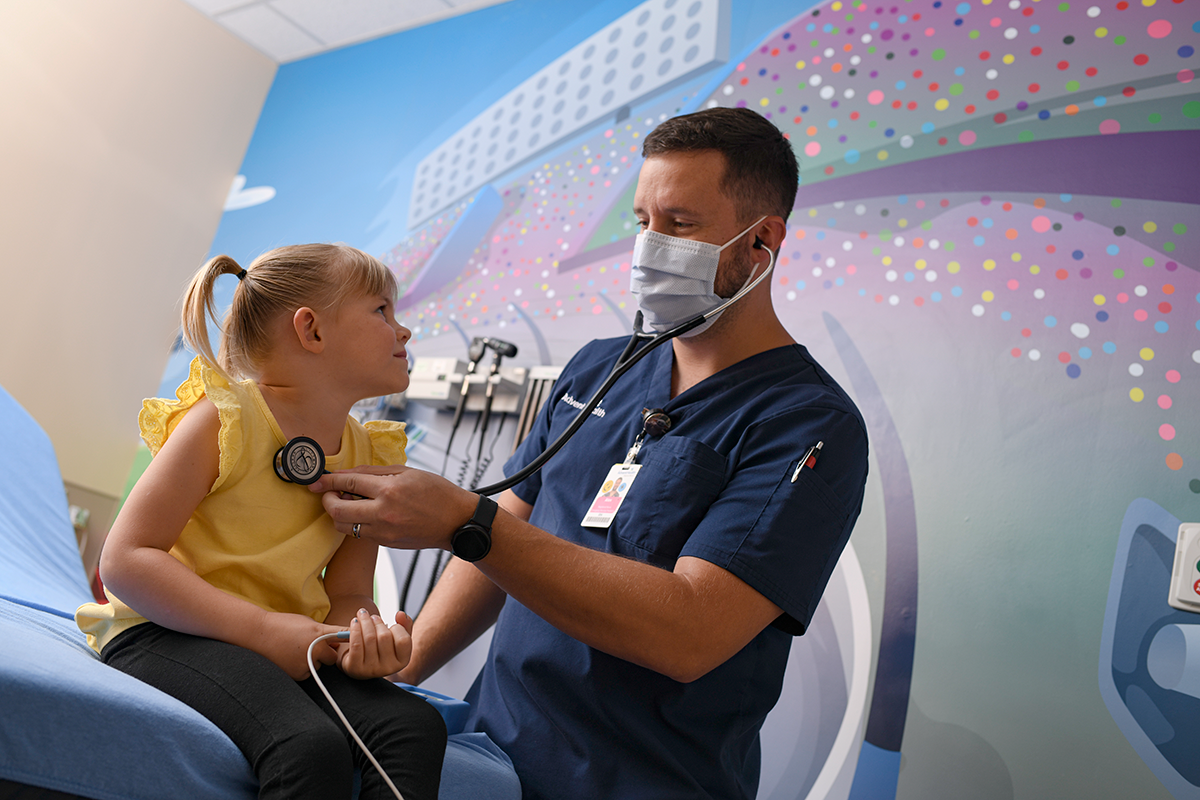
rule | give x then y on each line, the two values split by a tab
614	489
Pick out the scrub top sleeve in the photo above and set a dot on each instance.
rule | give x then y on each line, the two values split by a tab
783	537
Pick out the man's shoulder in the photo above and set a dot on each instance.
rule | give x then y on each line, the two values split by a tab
792	378
602	348
597	354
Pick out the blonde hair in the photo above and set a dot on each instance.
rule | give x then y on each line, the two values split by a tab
320	276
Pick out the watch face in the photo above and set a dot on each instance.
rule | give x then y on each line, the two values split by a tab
471	542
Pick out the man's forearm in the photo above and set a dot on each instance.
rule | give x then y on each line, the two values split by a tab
681	624
463	605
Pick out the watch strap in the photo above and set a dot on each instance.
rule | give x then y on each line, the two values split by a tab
485	512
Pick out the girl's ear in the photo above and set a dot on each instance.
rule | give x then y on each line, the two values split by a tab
308	329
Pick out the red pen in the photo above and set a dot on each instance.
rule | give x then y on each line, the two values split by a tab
809	460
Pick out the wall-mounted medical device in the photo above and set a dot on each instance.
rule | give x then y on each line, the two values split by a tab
437	382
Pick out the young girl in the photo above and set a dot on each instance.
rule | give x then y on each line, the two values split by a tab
220	574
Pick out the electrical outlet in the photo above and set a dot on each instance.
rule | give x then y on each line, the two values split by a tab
1185	576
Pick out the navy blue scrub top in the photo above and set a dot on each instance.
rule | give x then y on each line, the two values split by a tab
717	486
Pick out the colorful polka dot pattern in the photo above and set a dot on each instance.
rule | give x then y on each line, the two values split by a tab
548	216
408	257
858	84
1076	284
1097	292
1081	283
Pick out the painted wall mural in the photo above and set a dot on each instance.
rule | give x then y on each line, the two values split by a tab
995	249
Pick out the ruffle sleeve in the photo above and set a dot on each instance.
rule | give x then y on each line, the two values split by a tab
159	417
388	441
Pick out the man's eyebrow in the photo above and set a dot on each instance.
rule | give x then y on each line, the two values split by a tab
680	211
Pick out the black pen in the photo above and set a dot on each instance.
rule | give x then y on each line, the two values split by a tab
809	460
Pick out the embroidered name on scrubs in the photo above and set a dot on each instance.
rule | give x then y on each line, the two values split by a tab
620	477
571	401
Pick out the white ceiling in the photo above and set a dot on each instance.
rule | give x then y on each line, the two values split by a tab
287	30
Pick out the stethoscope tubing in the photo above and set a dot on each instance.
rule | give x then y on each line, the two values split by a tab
623	365
629	357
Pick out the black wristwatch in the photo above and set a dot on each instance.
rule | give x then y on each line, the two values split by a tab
473	541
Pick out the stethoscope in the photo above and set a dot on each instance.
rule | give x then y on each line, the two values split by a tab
302	461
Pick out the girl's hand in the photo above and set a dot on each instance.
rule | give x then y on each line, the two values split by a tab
374	649
285	639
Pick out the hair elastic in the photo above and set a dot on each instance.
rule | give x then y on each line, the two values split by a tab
241	274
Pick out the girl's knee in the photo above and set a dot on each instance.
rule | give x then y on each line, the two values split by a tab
424	725
311	762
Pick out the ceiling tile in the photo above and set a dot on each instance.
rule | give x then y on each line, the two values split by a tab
342	22
212	7
287	30
270	32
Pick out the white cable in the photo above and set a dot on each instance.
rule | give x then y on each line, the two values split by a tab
344	635
751	282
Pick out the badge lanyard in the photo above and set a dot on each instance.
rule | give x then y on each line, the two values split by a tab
614	489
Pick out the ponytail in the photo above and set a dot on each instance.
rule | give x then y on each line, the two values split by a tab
198	305
276	284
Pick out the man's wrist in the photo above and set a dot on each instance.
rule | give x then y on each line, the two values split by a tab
473	540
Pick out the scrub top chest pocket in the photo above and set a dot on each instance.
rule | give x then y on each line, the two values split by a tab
680	478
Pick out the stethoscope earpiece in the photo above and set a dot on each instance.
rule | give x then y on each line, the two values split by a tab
301	460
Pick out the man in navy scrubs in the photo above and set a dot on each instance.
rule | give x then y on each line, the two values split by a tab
637	655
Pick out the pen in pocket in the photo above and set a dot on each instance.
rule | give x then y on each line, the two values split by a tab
809	460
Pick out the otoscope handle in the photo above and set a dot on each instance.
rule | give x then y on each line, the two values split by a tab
485	415
462	403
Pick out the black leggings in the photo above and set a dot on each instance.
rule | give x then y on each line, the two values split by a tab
287	730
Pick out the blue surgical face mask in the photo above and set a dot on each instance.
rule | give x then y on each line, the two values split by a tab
673	279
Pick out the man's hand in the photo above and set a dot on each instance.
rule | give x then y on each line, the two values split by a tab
399	507
374	649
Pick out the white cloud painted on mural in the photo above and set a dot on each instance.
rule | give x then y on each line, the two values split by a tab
241	197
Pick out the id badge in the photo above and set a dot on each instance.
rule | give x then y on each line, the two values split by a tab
612	493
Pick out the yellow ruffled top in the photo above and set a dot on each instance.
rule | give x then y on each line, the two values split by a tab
254	535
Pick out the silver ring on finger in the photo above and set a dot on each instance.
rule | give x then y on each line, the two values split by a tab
354	530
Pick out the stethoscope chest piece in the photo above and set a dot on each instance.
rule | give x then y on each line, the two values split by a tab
301	460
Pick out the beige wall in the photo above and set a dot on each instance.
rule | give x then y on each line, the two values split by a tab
122	126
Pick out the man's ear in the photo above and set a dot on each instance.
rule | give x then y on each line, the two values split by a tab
768	235
307	325
771	232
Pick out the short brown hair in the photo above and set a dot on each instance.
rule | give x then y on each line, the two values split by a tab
761	173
